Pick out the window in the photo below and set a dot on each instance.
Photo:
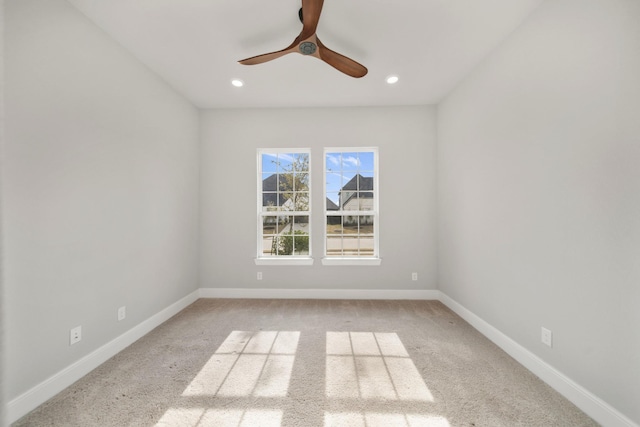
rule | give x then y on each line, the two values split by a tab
284	206
351	205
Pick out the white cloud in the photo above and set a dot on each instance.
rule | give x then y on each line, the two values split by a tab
352	160
283	156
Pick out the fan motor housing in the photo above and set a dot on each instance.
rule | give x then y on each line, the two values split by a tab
307	48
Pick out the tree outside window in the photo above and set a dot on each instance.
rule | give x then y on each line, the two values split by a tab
285	204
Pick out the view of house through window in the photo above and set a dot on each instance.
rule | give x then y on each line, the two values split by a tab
351	203
284	203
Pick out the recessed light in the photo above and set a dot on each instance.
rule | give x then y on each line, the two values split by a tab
237	82
392	80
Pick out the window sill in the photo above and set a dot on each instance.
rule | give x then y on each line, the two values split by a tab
283	261
352	261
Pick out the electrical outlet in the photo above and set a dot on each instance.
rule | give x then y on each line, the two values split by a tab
414	276
259	275
75	335
122	313
546	337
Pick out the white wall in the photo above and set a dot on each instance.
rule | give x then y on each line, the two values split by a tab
539	192
100	183
406	140
2	310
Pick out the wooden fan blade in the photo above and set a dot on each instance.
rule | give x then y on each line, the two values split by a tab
259	59
341	62
311	10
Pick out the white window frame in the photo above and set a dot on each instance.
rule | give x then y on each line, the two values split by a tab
375	212
293	259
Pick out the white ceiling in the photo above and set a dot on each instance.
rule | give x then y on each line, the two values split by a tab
195	44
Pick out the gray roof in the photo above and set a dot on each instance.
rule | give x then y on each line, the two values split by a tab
332	206
271	184
366	183
365	191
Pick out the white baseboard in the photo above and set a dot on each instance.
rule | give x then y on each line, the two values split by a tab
590	404
44	391
400	294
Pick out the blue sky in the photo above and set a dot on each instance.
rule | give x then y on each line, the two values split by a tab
350	162
281	162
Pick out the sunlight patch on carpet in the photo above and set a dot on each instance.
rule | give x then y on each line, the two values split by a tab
248	364
372	365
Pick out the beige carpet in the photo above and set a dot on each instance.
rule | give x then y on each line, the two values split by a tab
287	363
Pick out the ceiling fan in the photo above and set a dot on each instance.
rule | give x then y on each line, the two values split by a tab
307	43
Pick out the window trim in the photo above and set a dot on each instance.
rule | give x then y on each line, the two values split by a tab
284	260
349	260
293	259
346	261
